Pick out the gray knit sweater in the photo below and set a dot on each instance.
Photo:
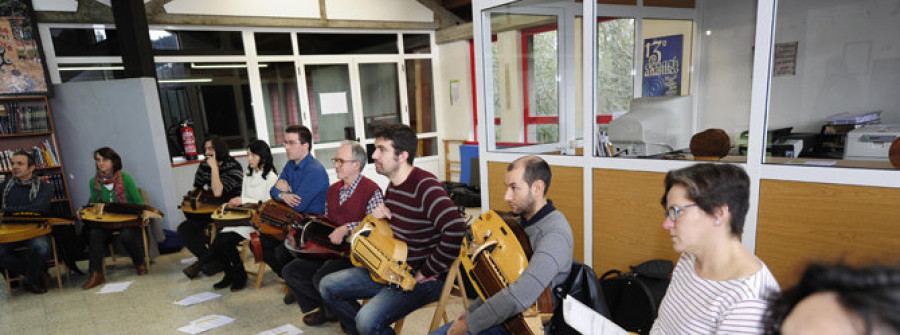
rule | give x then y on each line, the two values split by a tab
552	242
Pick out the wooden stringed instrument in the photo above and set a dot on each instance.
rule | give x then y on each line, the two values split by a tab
275	218
309	239
230	216
117	215
22	226
494	254
199	204
373	246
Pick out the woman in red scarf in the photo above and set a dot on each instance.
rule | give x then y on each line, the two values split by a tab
111	185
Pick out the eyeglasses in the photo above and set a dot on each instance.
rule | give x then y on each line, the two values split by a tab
674	212
341	161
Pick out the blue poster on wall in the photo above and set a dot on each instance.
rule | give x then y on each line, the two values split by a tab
662	66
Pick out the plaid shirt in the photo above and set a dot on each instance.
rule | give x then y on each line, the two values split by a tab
376	200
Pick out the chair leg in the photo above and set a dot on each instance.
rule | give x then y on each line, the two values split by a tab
146	246
8	286
398	326
260	273
56	262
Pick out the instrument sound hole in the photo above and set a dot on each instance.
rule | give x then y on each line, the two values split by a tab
503	230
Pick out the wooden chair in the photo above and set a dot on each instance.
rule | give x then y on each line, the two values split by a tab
247	254
54	262
145	227
455	281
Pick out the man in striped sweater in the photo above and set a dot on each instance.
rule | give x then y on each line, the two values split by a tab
421	214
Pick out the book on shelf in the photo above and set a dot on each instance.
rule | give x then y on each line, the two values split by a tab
44	156
17	118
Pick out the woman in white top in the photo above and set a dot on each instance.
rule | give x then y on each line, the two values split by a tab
718	286
261	176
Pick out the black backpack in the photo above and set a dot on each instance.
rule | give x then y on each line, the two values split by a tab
582	285
633	298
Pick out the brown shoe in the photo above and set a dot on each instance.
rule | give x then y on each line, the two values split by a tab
316	317
141	269
45	279
96	279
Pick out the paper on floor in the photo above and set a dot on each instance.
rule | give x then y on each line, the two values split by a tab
114	287
586	321
189	260
206	323
286	329
197	298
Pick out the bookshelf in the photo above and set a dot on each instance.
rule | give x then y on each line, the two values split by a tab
27	124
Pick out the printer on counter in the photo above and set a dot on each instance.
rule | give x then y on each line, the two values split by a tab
871	142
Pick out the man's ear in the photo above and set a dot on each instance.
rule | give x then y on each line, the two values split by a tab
403	155
538	187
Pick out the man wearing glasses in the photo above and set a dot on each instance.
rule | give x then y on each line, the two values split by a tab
301	185
349	200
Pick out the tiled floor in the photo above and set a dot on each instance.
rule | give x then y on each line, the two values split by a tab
146	307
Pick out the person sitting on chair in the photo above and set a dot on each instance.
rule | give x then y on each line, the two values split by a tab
718	285
111	185
839	299
302	186
223	175
550	236
25	192
420	214
349	200
261	176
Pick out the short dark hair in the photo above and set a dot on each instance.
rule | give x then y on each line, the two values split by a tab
220	147
110	154
302	132
713	185
403	138
871	292
535	169
266	162
28	155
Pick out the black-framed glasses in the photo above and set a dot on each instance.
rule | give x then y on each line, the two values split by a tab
675	211
341	161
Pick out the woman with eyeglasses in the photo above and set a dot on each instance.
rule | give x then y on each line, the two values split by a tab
718	285
261	176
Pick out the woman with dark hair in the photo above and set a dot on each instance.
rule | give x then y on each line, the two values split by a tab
111	185
261	176
718	285
839	299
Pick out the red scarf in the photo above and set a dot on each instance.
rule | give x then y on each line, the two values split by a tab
101	179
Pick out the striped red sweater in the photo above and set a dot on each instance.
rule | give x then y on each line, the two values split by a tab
423	216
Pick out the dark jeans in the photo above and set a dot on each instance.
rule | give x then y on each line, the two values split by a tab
275	254
33	264
341	291
99	238
303	276
193	234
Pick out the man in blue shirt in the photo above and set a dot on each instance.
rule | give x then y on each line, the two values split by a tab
302	186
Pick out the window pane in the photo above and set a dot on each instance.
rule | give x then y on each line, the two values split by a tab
280	97
328	89
273	44
525	85
347	44
324	156
90	72
85	42
834	83
420	90
192	42
217	100
416	43
615	68
379	83
427	147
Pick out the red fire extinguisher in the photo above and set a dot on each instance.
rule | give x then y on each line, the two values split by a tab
188	141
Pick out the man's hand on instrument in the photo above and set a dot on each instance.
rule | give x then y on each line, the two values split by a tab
420	279
234	202
337	236
381	212
459	327
282	185
290	199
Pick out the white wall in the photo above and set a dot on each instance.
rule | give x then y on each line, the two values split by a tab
848	61
455	117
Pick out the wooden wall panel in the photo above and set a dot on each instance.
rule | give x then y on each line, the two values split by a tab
628	219
566	191
803	222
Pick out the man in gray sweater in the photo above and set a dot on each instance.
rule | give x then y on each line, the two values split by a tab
527	182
